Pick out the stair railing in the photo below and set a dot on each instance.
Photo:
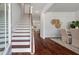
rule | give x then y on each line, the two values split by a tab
32	42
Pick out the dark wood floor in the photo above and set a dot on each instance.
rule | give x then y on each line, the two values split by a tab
49	47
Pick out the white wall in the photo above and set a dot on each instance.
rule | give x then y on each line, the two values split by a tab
64	17
26	9
77	15
50	31
16	14
42	25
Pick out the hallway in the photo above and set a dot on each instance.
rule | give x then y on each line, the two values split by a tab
21	24
49	47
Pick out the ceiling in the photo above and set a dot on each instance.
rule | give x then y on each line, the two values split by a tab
64	7
37	7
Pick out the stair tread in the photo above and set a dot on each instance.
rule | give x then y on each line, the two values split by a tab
21	32
20	40
21	36
20	53
20	46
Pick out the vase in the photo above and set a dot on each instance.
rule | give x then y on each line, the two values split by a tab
76	28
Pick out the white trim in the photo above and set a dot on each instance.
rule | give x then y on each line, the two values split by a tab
6	51
5	24
30	34
33	46
9	23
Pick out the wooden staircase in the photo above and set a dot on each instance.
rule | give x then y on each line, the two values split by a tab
21	38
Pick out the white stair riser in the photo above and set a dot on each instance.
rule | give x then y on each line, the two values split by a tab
24	25
20	38
20	43
20	27
22	30
15	34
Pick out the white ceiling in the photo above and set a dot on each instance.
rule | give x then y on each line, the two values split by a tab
37	7
64	7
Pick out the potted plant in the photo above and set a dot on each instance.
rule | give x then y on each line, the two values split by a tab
77	24
74	24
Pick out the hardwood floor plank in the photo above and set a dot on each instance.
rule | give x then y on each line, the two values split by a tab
20	46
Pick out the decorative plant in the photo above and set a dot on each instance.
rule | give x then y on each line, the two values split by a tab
74	24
